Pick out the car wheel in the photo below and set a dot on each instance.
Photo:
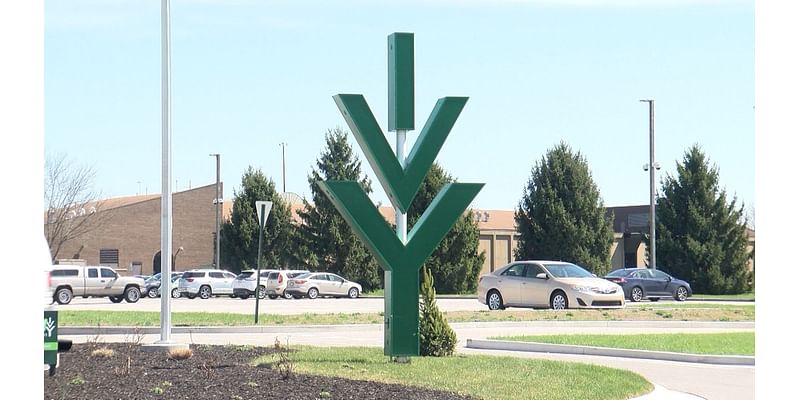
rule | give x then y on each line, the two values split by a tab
313	293
352	293
152	292
636	294
205	292
63	296
115	299
654	299
175	293
132	294
287	296
558	301
681	293
262	292
273	296
494	300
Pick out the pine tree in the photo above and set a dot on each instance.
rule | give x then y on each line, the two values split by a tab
456	261
561	215
328	243
239	234
436	338
700	236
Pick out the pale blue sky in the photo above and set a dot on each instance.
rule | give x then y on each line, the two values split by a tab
248	75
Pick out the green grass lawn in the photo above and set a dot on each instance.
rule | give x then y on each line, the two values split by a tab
650	312
486	377
743	296
735	343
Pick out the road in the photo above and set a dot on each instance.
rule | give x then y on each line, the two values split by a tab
285	307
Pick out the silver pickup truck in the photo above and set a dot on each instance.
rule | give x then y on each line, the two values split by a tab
68	281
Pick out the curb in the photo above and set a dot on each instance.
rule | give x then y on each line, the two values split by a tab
609	352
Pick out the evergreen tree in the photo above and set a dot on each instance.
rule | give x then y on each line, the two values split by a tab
436	338
328	242
239	234
456	262
700	236
561	215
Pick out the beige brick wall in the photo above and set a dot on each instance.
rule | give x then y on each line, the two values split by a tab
135	230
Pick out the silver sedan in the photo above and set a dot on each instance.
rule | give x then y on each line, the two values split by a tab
547	284
315	284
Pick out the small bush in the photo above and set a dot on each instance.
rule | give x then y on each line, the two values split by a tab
78	380
436	338
104	352
179	354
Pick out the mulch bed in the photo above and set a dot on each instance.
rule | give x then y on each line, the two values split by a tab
212	372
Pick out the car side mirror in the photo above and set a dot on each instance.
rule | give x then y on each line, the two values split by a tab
541	275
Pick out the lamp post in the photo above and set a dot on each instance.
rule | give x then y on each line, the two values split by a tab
283	159
652	167
217	201
166	169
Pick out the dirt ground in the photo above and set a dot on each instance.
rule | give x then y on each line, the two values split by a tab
89	372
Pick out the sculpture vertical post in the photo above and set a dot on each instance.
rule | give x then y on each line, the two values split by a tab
401	120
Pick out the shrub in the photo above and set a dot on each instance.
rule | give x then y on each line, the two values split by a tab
436	338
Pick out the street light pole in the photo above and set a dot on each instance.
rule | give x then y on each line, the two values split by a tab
166	171
283	145
217	205
652	167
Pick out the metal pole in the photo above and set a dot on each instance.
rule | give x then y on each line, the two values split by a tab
258	269
217	205
283	145
401	218
166	175
652	168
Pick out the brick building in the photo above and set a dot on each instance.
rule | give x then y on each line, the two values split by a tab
129	237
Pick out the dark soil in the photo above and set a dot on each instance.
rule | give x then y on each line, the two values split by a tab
212	372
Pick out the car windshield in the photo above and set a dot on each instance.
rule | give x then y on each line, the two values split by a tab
245	275
619	272
303	276
568	271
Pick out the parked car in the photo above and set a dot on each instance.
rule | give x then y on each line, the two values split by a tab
152	286
277	281
315	284
206	283
652	284
244	285
93	281
547	284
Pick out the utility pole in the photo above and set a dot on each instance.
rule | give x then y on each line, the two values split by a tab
283	145
217	205
652	167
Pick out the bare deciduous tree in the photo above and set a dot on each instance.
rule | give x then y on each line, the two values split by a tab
72	205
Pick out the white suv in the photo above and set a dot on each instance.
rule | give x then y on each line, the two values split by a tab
206	283
244	285
276	283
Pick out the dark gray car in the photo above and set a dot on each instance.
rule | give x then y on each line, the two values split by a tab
646	283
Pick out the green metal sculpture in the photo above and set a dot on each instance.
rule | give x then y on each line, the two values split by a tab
400	261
